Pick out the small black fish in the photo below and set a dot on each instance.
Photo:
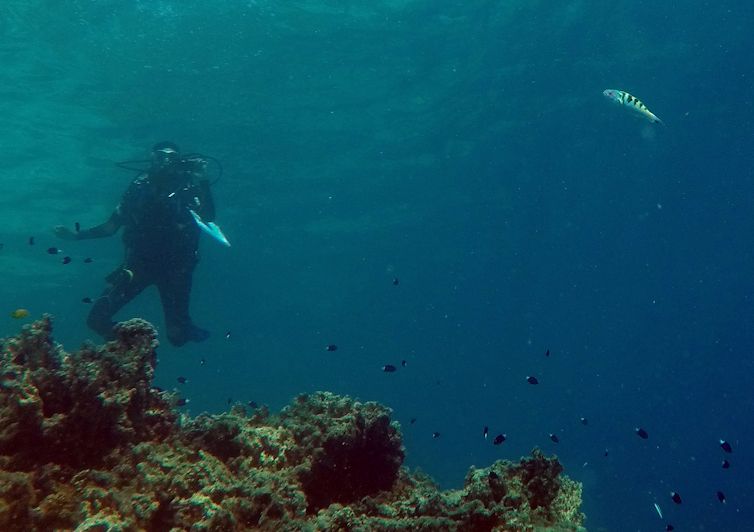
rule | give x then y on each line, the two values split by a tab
486	430
721	497
606	452
78	227
413	420
86	300
500	438
31	240
669	528
548	353
532	380
387	368
554	438
230	399
435	434
395	281
227	335
66	260
88	260
53	251
403	363
641	433
253	405
181	402
726	446
332	347
1	245
676	498
584	421
201	362
182	380
726	464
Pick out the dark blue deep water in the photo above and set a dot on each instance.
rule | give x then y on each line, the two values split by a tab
464	148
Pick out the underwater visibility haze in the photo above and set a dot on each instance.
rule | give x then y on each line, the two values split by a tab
439	187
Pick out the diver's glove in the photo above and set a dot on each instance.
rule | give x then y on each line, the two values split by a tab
63	233
197	173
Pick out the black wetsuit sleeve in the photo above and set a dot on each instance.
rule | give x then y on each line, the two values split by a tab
117	218
207	202
109	228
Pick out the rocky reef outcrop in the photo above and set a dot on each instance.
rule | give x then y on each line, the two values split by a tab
86	444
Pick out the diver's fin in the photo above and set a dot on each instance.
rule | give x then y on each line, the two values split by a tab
210	228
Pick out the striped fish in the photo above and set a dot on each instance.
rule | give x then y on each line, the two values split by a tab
625	99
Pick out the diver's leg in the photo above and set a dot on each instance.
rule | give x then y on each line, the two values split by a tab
175	292
123	286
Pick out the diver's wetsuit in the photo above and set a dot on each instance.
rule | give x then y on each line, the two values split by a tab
162	240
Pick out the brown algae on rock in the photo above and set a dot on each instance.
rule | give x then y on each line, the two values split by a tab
86	444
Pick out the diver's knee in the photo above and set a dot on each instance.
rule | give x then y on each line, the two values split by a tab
177	335
103	327
94	321
99	321
177	341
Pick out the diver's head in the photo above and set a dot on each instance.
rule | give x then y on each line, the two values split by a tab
164	155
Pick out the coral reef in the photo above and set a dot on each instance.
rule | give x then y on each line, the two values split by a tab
86	444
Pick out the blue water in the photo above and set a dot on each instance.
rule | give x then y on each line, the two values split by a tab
462	147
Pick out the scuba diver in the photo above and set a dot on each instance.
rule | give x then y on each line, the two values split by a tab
161	237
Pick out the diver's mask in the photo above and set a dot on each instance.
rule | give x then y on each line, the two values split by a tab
165	158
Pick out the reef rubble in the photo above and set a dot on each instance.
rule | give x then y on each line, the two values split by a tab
87	444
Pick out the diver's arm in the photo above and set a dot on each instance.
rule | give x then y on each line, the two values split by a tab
206	203
207	208
109	228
